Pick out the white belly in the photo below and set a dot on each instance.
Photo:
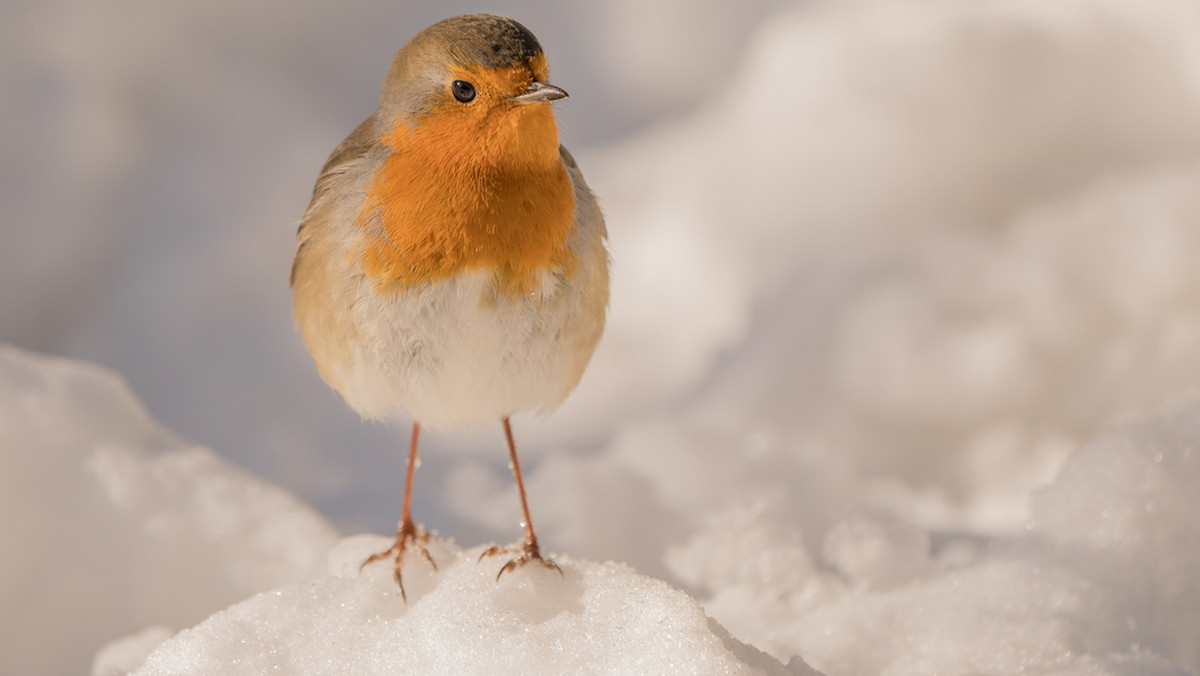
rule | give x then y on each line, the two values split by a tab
455	353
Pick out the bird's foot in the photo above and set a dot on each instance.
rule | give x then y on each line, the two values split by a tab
409	537
522	555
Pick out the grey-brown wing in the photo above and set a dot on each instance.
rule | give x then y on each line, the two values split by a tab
352	149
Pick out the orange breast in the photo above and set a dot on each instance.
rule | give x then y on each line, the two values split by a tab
464	193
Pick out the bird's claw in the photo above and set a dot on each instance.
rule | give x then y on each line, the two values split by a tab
525	554
409	536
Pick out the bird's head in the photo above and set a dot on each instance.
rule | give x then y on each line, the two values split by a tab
477	83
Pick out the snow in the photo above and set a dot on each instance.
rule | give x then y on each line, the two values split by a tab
903	328
169	533
113	523
595	618
1101	581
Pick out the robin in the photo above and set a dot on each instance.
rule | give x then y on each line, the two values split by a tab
452	262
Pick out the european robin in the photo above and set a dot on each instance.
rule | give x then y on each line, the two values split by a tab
452	262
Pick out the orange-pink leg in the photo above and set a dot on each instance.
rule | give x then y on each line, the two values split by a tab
407	533
529	550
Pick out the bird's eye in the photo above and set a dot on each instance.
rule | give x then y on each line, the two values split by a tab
463	91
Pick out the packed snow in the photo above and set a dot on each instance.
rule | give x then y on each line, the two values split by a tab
594	618
896	380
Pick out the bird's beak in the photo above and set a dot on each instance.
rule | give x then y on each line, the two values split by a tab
540	92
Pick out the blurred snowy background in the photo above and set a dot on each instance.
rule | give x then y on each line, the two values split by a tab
881	271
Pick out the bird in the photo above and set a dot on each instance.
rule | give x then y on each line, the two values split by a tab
452	265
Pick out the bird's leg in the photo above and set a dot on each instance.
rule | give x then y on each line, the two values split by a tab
407	533
529	550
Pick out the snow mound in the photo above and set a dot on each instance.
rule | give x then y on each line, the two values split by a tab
1124	513
1101	581
113	524
595	618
